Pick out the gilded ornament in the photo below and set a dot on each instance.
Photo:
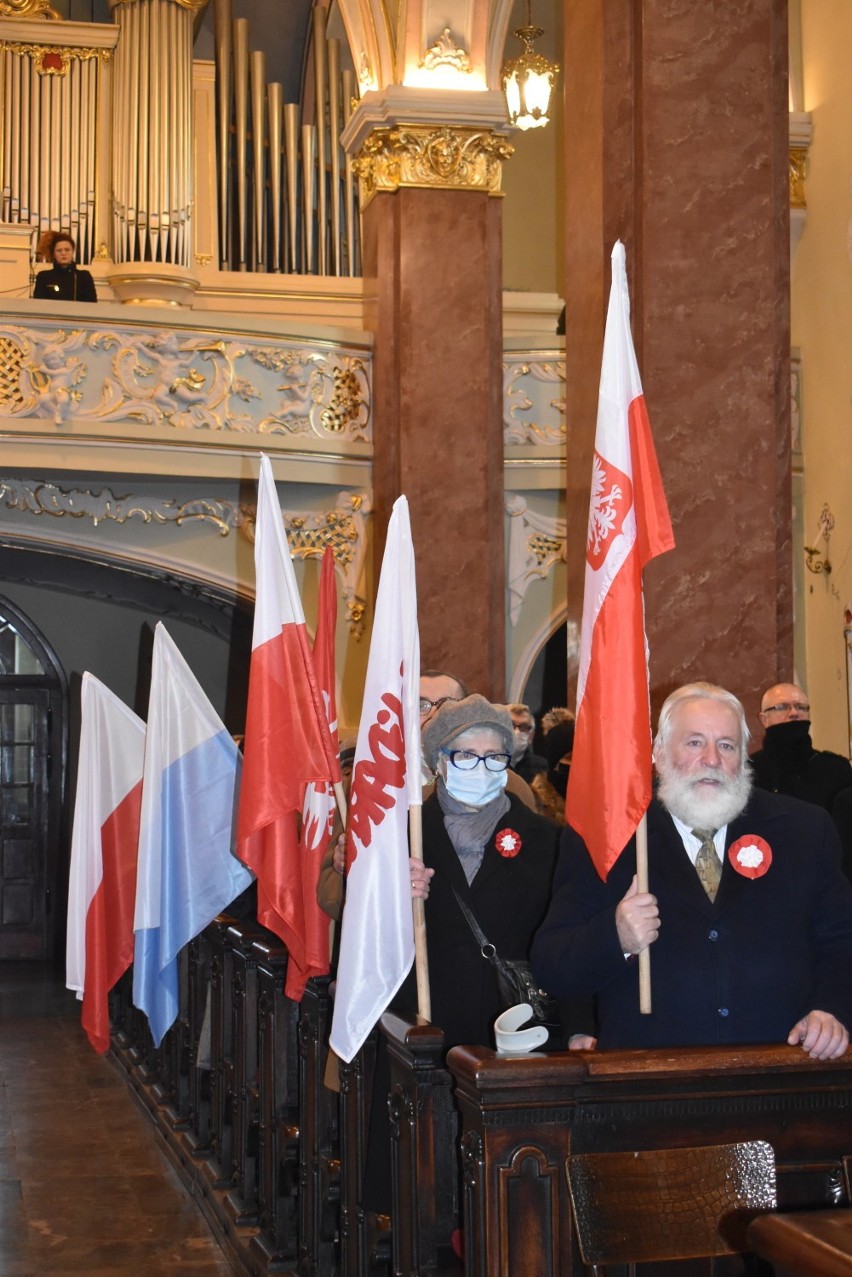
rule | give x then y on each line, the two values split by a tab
28	9
54	59
424	156
445	53
798	163
11	363
33	497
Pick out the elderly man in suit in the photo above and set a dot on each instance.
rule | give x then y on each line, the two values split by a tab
749	917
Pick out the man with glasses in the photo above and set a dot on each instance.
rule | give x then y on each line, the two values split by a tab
436	687
788	763
526	763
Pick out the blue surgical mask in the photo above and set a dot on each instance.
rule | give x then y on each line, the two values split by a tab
476	787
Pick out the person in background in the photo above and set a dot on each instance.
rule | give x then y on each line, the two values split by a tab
65	281
551	717
550	787
788	762
524	762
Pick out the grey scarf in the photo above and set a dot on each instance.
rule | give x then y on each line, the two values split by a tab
470	829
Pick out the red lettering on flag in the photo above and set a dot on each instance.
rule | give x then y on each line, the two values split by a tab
375	777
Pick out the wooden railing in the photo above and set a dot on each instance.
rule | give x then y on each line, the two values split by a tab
276	1159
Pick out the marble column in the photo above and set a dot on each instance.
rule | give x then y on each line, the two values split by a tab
432	276
677	137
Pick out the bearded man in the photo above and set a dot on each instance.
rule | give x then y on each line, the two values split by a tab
749	916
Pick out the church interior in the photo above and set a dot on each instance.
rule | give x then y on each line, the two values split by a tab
316	235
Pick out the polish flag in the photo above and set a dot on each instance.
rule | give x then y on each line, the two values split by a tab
319	804
104	840
288	743
377	935
609	784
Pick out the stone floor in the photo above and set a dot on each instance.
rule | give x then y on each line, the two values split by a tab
84	1187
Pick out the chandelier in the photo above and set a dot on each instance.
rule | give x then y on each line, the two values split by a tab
528	80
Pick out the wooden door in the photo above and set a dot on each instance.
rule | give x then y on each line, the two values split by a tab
24	776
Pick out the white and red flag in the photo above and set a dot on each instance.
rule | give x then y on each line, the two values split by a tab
377	936
609	785
104	843
287	739
319	802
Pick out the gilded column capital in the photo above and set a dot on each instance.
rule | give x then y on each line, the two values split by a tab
194	6
422	155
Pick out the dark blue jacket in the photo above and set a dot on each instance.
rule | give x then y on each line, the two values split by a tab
743	968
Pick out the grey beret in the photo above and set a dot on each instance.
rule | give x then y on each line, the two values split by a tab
455	717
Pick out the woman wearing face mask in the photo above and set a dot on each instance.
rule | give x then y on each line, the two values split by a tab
488	846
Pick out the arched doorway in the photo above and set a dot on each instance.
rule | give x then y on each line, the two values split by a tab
32	770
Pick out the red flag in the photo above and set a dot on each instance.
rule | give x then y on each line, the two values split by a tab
287	740
319	804
609	785
102	885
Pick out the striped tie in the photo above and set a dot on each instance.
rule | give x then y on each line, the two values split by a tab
707	863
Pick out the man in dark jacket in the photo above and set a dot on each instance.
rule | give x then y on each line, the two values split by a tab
65	281
788	762
749	918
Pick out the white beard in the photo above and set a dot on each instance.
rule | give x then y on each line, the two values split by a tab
700	806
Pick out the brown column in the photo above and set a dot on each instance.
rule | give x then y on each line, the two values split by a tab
679	147
432	265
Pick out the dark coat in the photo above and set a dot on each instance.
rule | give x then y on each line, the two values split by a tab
66	284
509	897
741	969
814	775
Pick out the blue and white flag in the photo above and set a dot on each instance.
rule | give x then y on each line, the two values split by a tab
187	872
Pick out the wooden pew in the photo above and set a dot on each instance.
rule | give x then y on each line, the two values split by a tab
277	1108
424	1147
522	1116
319	1151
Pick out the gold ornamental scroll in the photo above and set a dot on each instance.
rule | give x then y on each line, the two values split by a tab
425	156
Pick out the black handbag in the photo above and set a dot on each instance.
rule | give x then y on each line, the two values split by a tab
515	978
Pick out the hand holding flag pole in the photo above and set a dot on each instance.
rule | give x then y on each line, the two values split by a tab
609	785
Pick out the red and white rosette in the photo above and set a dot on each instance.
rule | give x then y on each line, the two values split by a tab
750	855
508	843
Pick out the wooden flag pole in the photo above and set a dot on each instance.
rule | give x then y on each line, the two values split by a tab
340	797
421	959
642	883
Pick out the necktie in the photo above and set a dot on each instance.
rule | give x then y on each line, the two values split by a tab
707	863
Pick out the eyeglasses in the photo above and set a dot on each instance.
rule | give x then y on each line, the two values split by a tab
466	760
784	707
426	706
525	729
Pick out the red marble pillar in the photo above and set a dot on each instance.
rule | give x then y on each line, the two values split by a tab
677	134
432	269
